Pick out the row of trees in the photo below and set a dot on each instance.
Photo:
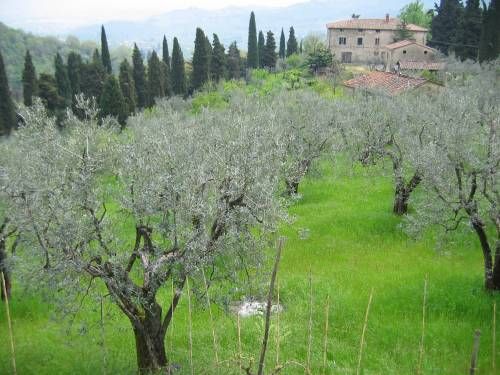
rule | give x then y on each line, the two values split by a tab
471	31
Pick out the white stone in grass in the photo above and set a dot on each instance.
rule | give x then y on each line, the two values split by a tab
248	308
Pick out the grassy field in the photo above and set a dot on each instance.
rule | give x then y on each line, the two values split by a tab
347	239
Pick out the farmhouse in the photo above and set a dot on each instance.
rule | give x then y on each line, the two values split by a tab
372	41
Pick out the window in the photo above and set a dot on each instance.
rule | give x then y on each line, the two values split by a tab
404	52
360	30
377	31
360	41
377	41
425	52
341	30
342	40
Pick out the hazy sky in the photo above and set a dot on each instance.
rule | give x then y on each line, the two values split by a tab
21	11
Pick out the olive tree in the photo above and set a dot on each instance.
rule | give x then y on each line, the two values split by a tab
377	127
145	208
461	165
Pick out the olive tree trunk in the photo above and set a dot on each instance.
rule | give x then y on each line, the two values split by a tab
150	344
491	268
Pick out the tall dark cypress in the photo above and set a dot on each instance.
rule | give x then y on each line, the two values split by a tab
127	86
62	81
489	45
166	68
7	110
253	53
155	79
30	86
139	75
106	58
165	53
282	52
261	48
200	60
47	90
270	51
112	102
445	26
92	77
218	64
292	45
470	31
178	70
74	73
233	61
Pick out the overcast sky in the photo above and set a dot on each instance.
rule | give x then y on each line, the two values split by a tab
20	11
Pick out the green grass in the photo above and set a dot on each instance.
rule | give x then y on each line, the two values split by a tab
354	244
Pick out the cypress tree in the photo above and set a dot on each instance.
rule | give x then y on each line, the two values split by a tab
470	31
301	51
165	54
139	75
74	73
62	81
233	61
127	86
200	60
292	45
47	90
112	102
155	79
29	80
7	110
489	46
92	77
445	26
106	58
209	55
178	70
261	48
253	53
218	65
166	68
270	51
282	52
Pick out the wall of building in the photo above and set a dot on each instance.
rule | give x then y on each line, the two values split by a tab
413	52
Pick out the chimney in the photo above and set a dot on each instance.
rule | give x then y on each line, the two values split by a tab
387	17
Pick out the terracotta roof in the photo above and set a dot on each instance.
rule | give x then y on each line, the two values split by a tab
421	65
372	24
389	83
406	42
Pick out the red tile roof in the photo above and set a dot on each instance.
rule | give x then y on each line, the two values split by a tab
389	83
372	24
406	42
421	65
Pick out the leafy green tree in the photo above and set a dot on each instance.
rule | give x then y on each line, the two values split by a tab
415	14
92	76
270	51
112	102
47	90
320	58
139	75
155	79
62	80
166	68
253	52
74	73
178	70
7	111
29	80
489	46
445	26
292	46
218	65
200	60
470	31
127	86
261	45
282	52
233	61
106	58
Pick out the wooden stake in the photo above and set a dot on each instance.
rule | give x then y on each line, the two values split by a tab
325	344
475	351
214	337
278	325
362	341
421	350
190	327
309	340
240	356
494	338
9	323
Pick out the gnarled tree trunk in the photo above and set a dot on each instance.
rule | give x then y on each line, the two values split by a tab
491	269
403	192
4	269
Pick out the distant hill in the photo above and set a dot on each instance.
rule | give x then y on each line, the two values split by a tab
231	24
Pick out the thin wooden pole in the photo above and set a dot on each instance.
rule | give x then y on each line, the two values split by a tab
309	340
494	338
240	355
325	343
475	351
278	324
263	349
9	323
421	350
214	337
171	325
190	324
362	341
